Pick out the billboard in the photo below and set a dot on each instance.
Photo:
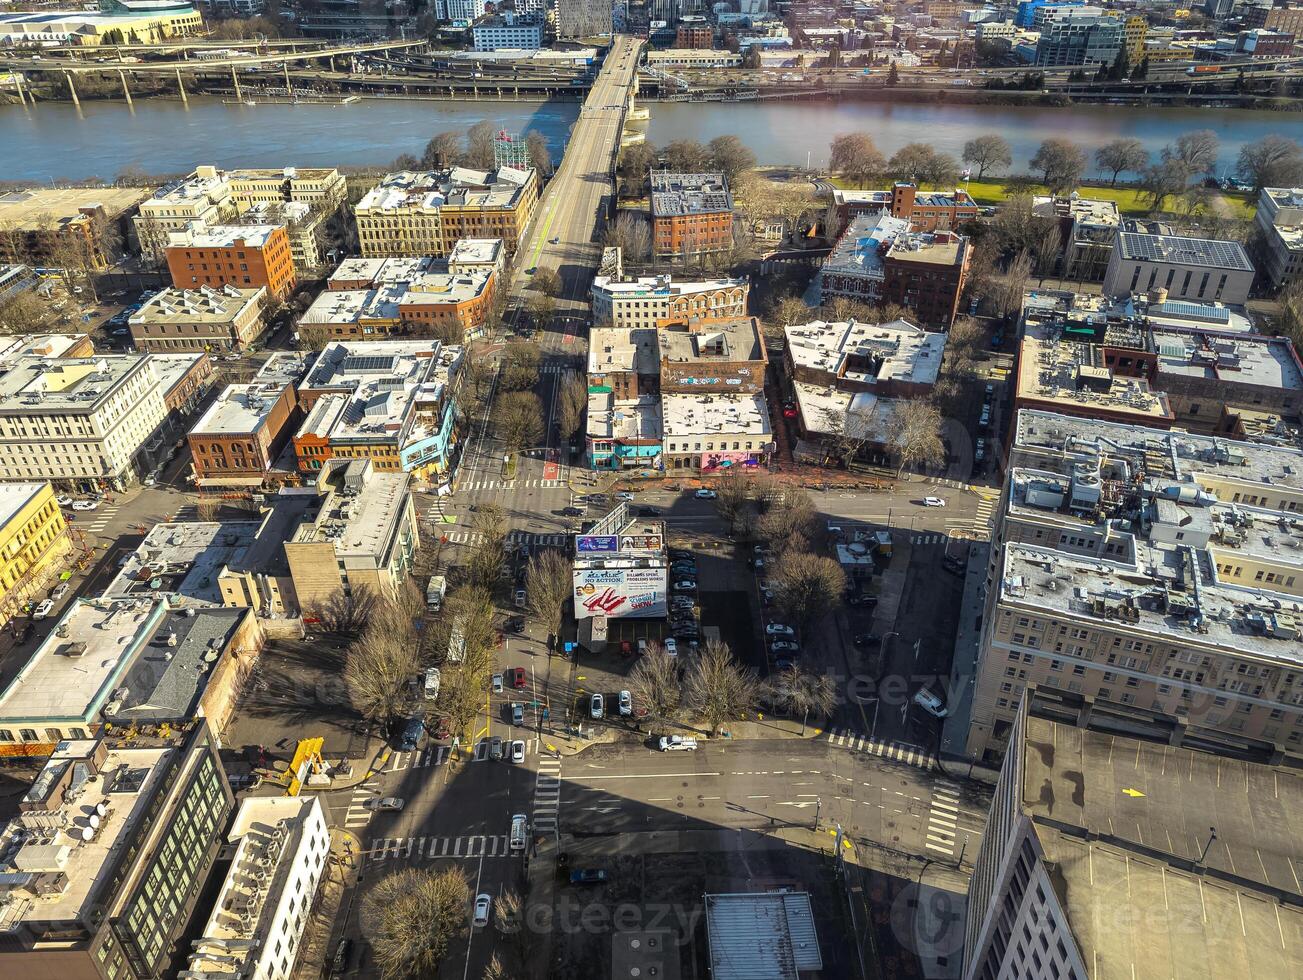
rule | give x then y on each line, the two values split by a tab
619	592
597	544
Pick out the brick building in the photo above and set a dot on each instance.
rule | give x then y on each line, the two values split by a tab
244	256
691	215
925	211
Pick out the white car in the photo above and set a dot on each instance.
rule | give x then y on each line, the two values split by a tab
597	706
626	703
778	629
933	502
63	500
624	495
59	591
671	646
677	743
44	609
930	703
497	683
480	918
85	504
705	494
518	751
389	803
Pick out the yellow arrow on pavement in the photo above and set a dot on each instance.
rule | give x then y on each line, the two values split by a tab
1133	793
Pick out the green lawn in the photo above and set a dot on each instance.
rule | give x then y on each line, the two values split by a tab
989	192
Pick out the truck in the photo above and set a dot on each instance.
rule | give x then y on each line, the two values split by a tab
435	591
431	683
457	643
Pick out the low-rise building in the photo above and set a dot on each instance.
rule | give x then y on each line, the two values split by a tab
182	560
1198	269
106	860
698	58
305	226
724	355
924	210
34	542
1146	577
478	255
1280	222
694	32
1089	228
446	305
650	301
84	422
255	929
1078	870
879	260
392	402
359	273
245	256
52	226
240	438
184	380
507	31
427	212
45	345
113	24
715	432
205	319
691	215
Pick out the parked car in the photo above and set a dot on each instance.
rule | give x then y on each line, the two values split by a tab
514	624
90	504
685	585
784	664
343	954
596	706
480	917
518	751
43	609
495	748
867	640
518	678
705	494
63	500
389	803
497	683
677	743
572	512
626	704
587	876
517	713
784	646
862	600
778	629
930	703
933	502
671	646
59	591
624	495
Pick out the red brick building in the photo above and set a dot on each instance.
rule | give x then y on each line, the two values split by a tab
245	256
691	215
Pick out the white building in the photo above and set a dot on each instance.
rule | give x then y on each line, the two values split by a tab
282	845
1187	268
508	31
82	421
647	301
1280	220
710	432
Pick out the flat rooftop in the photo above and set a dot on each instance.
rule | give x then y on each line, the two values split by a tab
661	286
239	409
619	349
73	672
476	250
126	782
868	352
347	365
203	305
1240	916
388	300
732	339
1085	210
358	524
706	415
626	420
677	195
1267	361
859	414
1178	250
431	190
183	560
200	235
14	497
172	369
64	385
378	271
285	367
47	345
47	208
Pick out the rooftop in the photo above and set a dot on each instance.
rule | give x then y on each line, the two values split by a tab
762	936
203	305
47	345
200	234
696	415
868	353
75	670
1141	898
1084	210
674	195
60	881
1176	250
1256	360
660	286
857	414
346	365
476	251
239	409
623	349
285	367
172	369
456	187
64	385
378	271
49	207
14	497
732	339
387	300
871	238
637	420
182	559
358	511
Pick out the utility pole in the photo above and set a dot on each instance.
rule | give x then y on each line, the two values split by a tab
818	805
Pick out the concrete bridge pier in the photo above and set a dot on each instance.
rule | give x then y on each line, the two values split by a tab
72	89
18	84
235	79
126	91
286	66
180	87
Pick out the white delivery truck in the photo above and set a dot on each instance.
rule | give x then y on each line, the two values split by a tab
432	683
435	592
519	830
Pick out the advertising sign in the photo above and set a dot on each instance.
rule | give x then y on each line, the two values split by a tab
639	542
619	592
597	544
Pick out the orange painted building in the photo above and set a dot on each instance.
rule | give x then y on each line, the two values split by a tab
245	256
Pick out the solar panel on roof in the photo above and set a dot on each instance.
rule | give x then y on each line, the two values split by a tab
367	363
1203	311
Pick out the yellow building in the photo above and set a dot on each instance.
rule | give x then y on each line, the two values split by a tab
1134	32
118	23
33	540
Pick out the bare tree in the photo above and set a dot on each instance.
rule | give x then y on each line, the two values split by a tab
1166	178
461	698
1008	290
917	441
24	312
540	157
520	363
731	156
989	150
343	613
518	420
845	432
412	915
840	309
787	523
1197	150
542	307
572	402
654	684
800	692
479	145
631	234
1061	163
1273	161
809	587
716	688
636	162
792	311
733	495
547	282
485	562
548	584
855	157
378	671
687	157
443	151
1046	247
1122	154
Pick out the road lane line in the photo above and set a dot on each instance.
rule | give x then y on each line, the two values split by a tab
655	775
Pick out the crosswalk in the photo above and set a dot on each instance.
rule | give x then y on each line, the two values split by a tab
531	538
99	518
359	805
942	817
980	525
933	538
547	795
433	848
435	755
527	483
910	755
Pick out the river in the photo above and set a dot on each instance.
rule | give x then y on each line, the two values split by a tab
55	141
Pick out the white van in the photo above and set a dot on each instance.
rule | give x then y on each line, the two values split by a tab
432	683
519	828
435	592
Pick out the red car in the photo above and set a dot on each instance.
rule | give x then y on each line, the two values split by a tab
518	679
789	413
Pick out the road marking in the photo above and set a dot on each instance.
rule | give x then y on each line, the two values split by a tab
655	775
